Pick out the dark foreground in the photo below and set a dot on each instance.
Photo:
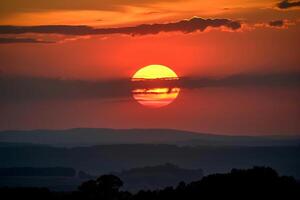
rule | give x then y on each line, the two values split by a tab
255	183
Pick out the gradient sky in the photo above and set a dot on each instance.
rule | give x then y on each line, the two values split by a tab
105	41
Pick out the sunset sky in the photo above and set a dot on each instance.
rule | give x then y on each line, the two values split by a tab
67	64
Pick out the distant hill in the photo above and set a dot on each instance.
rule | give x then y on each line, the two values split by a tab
99	136
18	144
34	171
155	177
102	159
62	178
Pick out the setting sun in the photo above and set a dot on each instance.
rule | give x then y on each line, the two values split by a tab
155	72
154	96
164	99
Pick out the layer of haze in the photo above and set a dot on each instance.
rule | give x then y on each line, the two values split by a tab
234	111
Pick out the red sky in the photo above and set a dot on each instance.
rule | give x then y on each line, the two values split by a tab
266	42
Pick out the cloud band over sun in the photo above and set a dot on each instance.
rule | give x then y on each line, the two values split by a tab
26	88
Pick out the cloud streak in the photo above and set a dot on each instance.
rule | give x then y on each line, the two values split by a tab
276	79
286	4
22	40
21	88
26	88
185	26
276	23
13	6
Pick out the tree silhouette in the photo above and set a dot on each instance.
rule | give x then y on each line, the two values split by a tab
105	187
255	183
109	182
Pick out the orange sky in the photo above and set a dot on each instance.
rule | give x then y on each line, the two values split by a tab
254	47
124	12
195	54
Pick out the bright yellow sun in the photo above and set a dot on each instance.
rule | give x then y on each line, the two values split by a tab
154	72
155	97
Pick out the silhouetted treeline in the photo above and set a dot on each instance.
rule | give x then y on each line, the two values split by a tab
33	171
157	177
255	183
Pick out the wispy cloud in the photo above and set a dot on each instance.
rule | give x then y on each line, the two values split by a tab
279	23
285	4
185	26
21	40
75	32
276	23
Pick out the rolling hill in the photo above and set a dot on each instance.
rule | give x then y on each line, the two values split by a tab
101	136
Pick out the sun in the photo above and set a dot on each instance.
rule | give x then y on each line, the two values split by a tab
151	94
154	72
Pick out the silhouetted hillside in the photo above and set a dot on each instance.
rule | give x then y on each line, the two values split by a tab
89	136
255	183
157	176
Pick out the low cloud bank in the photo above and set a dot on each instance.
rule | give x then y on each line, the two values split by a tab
21	88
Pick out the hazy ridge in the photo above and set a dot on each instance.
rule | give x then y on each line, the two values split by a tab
102	136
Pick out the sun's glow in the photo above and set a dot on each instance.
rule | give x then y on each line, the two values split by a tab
158	96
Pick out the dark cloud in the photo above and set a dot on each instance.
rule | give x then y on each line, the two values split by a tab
26	88
21	40
287	4
20	88
278	79
185	26
57	29
276	23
